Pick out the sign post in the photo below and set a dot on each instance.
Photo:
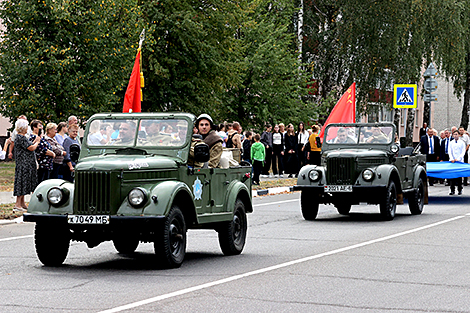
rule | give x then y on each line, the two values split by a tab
405	96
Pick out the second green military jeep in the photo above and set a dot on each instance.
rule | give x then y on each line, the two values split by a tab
133	183
361	163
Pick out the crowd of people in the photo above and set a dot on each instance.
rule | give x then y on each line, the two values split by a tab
447	145
40	154
277	151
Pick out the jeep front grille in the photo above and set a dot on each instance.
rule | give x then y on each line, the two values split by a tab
92	192
340	171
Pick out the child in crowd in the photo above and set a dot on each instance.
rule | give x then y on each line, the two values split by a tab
247	147
258	154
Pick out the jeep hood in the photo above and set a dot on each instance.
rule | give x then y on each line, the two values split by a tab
126	162
351	153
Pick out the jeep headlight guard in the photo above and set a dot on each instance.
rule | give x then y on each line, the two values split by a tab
314	175
368	174
137	197
57	196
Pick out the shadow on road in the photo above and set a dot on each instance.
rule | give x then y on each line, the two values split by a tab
137	261
448	199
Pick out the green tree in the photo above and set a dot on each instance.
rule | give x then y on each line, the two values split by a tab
190	54
272	82
59	58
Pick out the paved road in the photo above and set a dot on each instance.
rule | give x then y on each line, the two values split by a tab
337	263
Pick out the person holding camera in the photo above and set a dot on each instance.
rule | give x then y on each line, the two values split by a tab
44	154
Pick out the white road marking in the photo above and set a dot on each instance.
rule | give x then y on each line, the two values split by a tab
277	202
274	267
13	238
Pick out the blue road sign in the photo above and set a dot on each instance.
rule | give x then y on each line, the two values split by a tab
405	96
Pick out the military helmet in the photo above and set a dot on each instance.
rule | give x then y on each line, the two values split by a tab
205	116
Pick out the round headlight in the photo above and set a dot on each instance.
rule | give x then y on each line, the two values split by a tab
137	197
55	196
394	148
368	175
314	175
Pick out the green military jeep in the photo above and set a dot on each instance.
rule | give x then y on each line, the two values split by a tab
133	183
361	163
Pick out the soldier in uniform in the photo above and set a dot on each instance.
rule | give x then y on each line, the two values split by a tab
154	136
377	136
205	128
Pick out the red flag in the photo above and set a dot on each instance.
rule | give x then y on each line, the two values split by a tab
133	93
344	111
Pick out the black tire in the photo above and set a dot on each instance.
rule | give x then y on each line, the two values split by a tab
52	243
388	206
343	208
170	241
232	234
309	206
416	199
125	245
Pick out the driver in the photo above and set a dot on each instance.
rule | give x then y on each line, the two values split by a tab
377	136
342	136
126	133
205	128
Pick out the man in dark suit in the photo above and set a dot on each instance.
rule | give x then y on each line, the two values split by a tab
423	130
444	146
430	147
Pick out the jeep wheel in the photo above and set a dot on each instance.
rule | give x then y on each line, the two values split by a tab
170	244
309	206
416	199
343	208
125	245
52	243
232	234
388	206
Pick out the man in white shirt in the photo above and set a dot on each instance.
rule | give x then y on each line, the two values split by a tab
457	151
466	140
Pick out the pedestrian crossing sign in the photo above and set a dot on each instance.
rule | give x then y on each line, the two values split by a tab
405	96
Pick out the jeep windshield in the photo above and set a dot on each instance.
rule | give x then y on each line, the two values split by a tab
359	135
139	133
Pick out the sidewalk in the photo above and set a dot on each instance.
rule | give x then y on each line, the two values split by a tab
7	197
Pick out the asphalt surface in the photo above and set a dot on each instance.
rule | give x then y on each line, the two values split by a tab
354	263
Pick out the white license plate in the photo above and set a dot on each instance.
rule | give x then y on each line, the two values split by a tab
88	219
336	188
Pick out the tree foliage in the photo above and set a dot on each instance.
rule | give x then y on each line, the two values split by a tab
59	58
379	43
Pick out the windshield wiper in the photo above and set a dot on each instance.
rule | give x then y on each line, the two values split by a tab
131	150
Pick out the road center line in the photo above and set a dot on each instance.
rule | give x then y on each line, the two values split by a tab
274	267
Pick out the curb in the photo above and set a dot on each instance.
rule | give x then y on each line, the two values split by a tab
16	220
271	191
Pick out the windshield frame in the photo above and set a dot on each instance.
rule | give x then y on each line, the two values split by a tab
180	150
360	129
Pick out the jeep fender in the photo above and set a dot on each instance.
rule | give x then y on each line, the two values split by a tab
383	174
304	180
236	190
39	203
419	172
160	199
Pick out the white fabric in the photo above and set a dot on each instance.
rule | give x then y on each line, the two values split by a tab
303	137
457	150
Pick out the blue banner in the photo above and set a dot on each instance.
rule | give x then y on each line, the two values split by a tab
447	169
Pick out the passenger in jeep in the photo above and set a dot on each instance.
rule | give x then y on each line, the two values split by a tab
205	128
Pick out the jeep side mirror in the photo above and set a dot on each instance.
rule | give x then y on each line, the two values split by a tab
201	152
